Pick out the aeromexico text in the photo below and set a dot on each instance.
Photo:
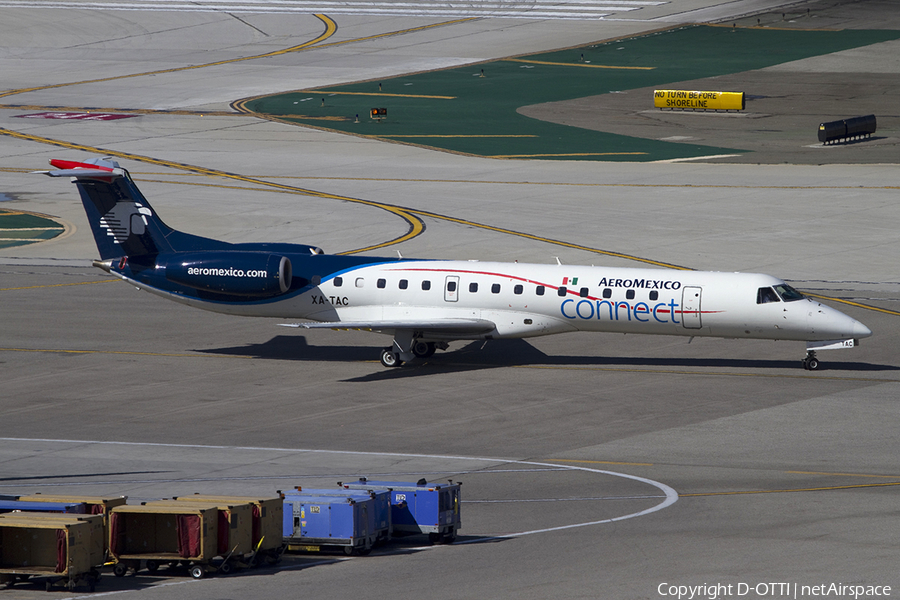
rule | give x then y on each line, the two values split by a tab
232	272
647	284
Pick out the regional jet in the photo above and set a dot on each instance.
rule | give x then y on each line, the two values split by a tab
424	304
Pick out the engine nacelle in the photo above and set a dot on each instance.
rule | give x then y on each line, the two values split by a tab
256	274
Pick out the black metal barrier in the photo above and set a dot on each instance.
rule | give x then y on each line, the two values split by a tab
846	129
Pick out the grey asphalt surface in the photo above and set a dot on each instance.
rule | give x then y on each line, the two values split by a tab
570	448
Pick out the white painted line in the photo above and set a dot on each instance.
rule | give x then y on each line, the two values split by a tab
669	494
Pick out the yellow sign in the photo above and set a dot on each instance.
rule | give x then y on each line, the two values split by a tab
698	100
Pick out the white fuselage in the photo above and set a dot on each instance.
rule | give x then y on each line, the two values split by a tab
525	300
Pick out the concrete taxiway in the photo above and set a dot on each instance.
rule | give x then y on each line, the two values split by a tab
592	465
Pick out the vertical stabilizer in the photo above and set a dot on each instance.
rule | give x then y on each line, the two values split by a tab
121	219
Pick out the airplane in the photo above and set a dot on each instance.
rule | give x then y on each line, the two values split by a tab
424	304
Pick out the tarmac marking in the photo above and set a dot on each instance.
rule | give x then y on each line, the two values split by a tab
708	373
334	93
452	136
843	474
669	495
571	154
602	462
560	64
136	111
553	183
125	352
52	285
330	29
795	490
416	225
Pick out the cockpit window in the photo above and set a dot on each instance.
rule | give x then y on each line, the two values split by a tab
787	293
765	295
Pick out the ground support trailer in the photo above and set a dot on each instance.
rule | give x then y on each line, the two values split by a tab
379	517
95	505
59	551
267	514
155	535
421	507
315	523
234	533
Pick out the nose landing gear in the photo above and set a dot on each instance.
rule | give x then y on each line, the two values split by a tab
810	363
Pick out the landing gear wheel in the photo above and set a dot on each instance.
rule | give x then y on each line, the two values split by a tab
811	363
197	572
389	358
424	349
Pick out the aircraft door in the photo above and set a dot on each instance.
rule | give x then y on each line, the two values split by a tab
690	308
451	288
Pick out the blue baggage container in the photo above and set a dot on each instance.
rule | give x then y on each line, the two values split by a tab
313	523
79	508
420	507
379	518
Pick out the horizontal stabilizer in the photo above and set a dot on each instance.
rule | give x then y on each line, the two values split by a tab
95	169
457	326
83	173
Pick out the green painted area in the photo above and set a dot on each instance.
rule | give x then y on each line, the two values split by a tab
478	114
19	229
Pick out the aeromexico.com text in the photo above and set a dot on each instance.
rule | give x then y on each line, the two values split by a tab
226	272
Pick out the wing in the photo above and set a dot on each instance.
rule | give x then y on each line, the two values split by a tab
443	327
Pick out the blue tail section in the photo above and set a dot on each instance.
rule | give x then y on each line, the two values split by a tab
135	244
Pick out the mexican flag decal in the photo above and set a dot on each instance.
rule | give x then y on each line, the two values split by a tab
570	281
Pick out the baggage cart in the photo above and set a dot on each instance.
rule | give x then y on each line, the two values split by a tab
379	518
314	523
234	537
421	507
94	505
267	514
174	535
55	550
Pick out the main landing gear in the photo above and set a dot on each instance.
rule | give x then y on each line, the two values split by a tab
810	363
394	356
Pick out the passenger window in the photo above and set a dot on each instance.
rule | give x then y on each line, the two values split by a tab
607	293
654	295
338	281
561	291
381	283
473	287
495	289
765	295
518	289
629	295
316	280
451	286
583	292
404	284
539	290
426	285
360	282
